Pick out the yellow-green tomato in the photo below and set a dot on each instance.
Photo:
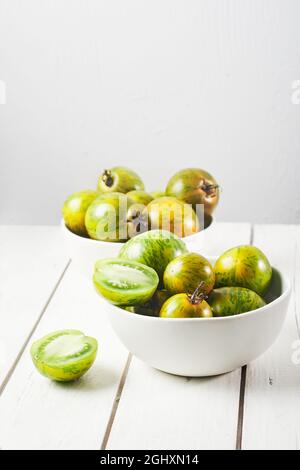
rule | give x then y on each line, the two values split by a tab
119	179
64	355
194	186
106	217
155	248
140	197
157	194
227	301
186	272
168	213
243	266
74	210
182	306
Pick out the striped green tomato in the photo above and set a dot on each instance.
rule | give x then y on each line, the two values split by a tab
243	266
106	217
119	179
74	210
155	248
183	306
186	272
227	301
171	214
140	197
194	186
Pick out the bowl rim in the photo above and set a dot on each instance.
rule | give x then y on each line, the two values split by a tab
97	242
266	307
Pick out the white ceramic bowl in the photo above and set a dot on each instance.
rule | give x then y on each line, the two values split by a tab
197	347
84	252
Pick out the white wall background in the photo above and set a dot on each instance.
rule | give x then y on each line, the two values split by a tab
156	85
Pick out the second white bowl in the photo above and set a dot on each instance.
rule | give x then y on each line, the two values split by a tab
84	252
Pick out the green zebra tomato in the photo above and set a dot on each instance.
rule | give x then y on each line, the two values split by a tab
140	197
227	301
74	210
123	282
145	310
64	355
194	186
155	248
184	274
119	179
106	218
171	214
157	194
243	266
185	306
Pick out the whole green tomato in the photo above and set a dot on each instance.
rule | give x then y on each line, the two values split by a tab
119	179
74	210
145	310
185	306
195	186
243	266
157	194
169	213
227	301
155	248
159	298
140	197
106	217
64	355
185	273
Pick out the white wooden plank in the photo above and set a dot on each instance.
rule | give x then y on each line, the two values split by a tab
220	237
36	413
161	411
272	412
32	258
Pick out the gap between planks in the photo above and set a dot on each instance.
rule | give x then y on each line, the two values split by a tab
240	421
116	403
21	352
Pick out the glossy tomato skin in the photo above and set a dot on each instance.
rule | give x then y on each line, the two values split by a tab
155	248
64	367
106	217
157	194
145	310
194	186
125	283
119	179
159	298
227	301
180	306
140	197
185	273
74	210
169	213
243	266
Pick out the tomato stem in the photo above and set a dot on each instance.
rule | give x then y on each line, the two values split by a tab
198	295
208	188
107	178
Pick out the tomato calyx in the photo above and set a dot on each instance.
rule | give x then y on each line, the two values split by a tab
198	295
209	188
107	178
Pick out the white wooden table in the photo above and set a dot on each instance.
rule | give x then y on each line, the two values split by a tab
122	403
